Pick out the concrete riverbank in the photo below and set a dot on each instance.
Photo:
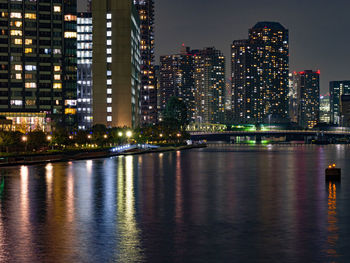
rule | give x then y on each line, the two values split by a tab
83	155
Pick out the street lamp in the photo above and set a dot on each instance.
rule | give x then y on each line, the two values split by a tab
89	136
120	134
49	138
128	134
25	139
105	136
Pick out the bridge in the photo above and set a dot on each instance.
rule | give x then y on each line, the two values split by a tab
258	135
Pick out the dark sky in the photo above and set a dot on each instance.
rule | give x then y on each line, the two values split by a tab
319	30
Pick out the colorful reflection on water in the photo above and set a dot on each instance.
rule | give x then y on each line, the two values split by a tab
250	204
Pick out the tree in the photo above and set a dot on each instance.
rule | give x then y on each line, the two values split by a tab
176	114
37	139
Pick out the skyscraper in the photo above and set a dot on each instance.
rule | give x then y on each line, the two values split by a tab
84	76
210	81
308	98
325	113
38	63
176	79
116	63
336	90
148	94
260	68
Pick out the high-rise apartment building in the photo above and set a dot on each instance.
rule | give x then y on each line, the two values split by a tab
336	90
210	81
38	63
260	68
148	94
176	79
308	98
345	111
293	97
116	63
84	74
325	113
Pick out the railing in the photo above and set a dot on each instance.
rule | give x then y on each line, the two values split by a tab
302	132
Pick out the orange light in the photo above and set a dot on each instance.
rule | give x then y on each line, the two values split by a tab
330	166
333	165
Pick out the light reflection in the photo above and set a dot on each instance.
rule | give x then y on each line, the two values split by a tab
178	197
49	179
70	195
130	244
89	166
333	230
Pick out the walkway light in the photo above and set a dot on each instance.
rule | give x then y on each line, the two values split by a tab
49	138
120	134
128	134
105	136
161	135
89	136
24	138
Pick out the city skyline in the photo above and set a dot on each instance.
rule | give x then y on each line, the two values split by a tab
309	48
219	23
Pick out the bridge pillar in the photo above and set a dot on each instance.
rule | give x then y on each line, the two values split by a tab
258	138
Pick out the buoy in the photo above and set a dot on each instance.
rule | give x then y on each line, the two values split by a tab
333	173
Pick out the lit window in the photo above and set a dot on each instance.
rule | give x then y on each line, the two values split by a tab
70	111
70	34
57	8
57	77
16	15
18	41
30	85
109	100
70	18
109	42
18	76
109	33
57	68
109	91
16	32
28	50
109	59
57	85
29	41
109	118
30	15
109	25
18	67
18	23
109	51
109	16
109	82
109	109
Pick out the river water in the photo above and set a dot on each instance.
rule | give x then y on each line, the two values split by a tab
237	204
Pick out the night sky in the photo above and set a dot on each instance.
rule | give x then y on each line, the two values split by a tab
319	30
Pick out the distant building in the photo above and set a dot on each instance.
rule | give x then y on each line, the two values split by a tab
345	111
148	93
293	97
260	68
176	79
210	82
38	63
325	113
116	63
336	90
84	79
309	98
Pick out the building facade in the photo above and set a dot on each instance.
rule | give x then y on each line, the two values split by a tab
325	109
336	90
38	69
345	111
116	63
308	98
260	69
84	73
148	94
176	79
210	82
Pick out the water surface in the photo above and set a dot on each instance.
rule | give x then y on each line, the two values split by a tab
238	204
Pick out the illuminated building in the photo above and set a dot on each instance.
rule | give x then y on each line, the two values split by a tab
176	79
84	76
336	90
210	82
325	114
293	97
116	63
308	98
260	68
345	111
148	93
38	63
